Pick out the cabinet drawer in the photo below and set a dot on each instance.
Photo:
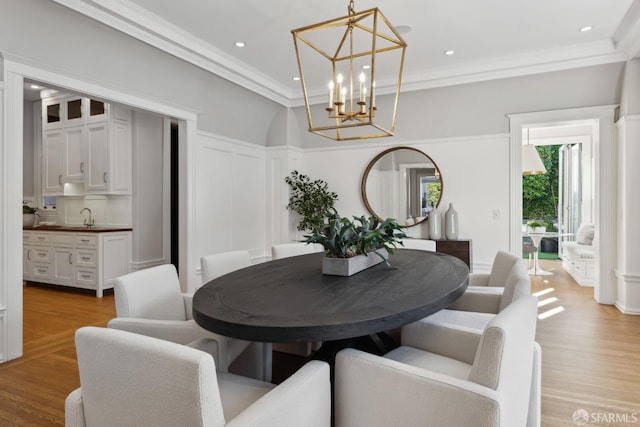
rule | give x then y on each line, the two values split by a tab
42	272
62	239
40	238
86	258
86	240
86	276
27	237
39	254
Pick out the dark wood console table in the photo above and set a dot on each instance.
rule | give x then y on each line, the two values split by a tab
460	249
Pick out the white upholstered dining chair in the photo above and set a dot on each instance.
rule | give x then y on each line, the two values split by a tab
445	377
150	302
418	244
285	250
491	293
215	265
131	380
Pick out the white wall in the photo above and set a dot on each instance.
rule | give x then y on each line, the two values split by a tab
628	174
150	237
475	175
481	108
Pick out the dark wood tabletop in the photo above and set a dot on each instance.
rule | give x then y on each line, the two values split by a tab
290	300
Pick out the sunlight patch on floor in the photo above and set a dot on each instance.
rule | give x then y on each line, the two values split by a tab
547	301
550	313
542	292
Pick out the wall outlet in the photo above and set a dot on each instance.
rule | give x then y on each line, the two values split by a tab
496	215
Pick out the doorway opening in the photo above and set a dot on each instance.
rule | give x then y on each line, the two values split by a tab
175	206
602	202
559	199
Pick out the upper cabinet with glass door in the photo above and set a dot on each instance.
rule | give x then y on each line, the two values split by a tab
66	111
52	113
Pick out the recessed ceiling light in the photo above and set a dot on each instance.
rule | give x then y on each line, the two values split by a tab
239	44
366	67
34	86
296	78
403	29
449	52
585	29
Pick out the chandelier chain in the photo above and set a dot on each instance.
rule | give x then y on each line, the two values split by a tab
351	9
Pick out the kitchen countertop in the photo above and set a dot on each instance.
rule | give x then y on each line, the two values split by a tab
76	228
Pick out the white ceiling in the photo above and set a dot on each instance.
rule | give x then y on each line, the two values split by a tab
491	38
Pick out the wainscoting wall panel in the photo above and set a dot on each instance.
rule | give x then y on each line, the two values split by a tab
229	196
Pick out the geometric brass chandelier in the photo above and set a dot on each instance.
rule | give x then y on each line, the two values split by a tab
338	59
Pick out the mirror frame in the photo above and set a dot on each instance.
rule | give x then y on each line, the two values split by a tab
363	183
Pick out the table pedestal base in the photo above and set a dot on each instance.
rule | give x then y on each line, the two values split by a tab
536	270
378	344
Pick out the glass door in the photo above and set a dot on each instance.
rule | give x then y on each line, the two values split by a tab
570	188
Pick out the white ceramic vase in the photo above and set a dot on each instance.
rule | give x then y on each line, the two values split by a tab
435	225
451	223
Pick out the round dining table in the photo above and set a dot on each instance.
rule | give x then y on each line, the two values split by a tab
290	300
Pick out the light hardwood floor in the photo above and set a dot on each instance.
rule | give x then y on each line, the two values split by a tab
591	356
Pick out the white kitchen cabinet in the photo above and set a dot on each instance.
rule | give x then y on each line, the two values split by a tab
90	142
37	256
79	259
73	159
52	153
108	158
97	178
63	269
52	113
63	158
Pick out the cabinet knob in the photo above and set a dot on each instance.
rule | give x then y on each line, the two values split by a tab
60	179
28	254
104	177
82	167
70	259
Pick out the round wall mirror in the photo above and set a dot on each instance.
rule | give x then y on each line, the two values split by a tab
402	183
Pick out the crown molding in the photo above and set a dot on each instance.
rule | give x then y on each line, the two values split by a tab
575	56
127	17
565	58
627	35
139	23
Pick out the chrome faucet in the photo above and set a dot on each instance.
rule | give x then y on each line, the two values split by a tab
90	222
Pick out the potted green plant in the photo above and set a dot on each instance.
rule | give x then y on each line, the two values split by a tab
536	226
28	215
309	199
348	243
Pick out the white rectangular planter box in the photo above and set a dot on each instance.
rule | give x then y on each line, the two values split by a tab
353	265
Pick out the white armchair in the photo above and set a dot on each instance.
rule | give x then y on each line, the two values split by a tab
216	265
490	293
443	377
150	302
256	360
418	244
285	250
130	380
